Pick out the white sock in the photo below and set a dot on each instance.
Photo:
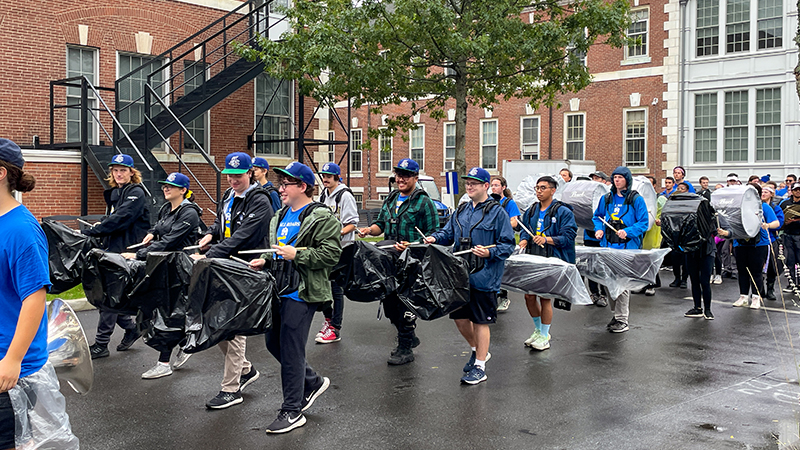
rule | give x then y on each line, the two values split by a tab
473	348
480	364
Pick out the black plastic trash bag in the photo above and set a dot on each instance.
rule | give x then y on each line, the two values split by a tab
227	299
162	317
687	222
67	250
109	280
432	282
365	272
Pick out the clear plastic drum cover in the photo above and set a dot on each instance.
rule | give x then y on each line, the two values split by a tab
644	187
525	195
584	196
741	205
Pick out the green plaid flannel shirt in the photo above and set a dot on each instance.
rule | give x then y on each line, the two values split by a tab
417	211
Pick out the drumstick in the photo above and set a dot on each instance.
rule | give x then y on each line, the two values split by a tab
609	225
192	247
409	244
528	231
464	252
421	233
240	260
88	224
141	244
266	250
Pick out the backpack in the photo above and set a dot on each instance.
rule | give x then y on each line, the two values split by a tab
336	197
687	221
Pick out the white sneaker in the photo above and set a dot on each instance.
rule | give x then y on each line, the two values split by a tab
650	292
756	302
788	290
716	279
533	337
503	305
542	342
744	300
160	370
180	359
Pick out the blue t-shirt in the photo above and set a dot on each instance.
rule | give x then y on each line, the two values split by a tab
24	270
540	225
618	209
288	230
769	216
511	208
400	200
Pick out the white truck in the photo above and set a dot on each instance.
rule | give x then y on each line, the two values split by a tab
515	171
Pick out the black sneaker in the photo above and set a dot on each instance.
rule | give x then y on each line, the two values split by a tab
248	378
602	301
683	285
309	397
619	327
708	315
130	337
98	351
694	312
286	422
610	324
402	354
675	283
224	400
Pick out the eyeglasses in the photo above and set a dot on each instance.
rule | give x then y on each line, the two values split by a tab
283	185
404	176
473	183
542	188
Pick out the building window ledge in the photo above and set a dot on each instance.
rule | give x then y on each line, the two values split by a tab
635	60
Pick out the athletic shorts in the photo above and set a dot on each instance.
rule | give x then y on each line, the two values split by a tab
481	309
6	422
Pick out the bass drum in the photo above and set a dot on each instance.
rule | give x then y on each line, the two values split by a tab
584	196
741	205
644	187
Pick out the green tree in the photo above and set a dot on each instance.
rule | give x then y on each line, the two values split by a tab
425	52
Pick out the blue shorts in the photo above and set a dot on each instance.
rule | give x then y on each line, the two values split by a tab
6	422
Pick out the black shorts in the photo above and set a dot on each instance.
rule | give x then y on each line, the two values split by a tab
481	309
6	422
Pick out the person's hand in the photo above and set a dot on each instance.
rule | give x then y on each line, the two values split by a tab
721	232
622	234
205	241
480	251
257	264
9	374
287	251
401	246
523	243
539	240
658	222
598	234
364	232
765	226
430	240
128	255
148	238
197	256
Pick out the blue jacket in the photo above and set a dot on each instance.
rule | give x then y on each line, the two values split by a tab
562	229
691	187
634	216
773	234
495	228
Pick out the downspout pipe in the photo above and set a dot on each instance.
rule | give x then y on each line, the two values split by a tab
682	85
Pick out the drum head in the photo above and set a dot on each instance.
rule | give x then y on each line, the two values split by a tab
741	205
584	196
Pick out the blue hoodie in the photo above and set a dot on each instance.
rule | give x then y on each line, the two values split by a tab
562	229
495	228
634	217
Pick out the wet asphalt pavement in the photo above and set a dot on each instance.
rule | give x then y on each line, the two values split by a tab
669	382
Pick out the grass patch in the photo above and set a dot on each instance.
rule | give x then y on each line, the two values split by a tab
72	294
372	239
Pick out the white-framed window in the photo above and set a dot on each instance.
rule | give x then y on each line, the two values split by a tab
489	144
277	120
574	136
81	61
529	137
194	76
449	146
417	138
736	20
355	150
635	137
275	4
638	30
383	197
359	199
747	131
385	150
331	147
131	90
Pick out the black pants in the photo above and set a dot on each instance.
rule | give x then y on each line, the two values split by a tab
105	326
679	266
774	266
401	317
791	250
750	261
286	341
594	288
6	421
698	267
718	258
335	311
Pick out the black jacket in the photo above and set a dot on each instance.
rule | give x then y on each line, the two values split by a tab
793	227
250	216
128	218
174	230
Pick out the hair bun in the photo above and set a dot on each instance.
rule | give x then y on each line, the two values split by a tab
26	183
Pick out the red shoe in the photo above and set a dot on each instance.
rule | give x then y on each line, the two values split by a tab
325	326
330	335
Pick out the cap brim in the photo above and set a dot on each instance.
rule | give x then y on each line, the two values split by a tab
405	169
469	177
322	172
234	171
284	173
120	164
171	184
260	167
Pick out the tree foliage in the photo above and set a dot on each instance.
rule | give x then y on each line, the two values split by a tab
426	52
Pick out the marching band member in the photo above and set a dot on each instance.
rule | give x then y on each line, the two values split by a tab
260	172
502	194
791	234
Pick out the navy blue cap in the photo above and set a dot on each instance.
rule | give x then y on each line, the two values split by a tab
331	169
261	162
11	153
407	164
177	179
237	163
478	173
121	160
299	171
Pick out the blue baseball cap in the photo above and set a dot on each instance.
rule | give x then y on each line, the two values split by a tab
11	153
237	163
298	171
407	164
261	162
331	169
121	160
177	179
478	173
